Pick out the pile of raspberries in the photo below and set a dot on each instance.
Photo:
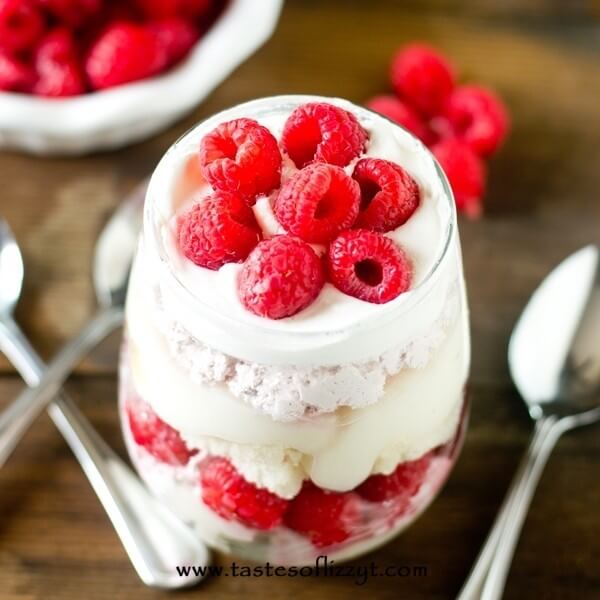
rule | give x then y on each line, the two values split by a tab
462	124
334	220
58	48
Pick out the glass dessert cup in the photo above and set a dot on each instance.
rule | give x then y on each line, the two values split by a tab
286	440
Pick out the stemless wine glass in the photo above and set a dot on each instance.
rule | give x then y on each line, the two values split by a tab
286	440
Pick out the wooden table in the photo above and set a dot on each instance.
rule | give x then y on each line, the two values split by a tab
542	204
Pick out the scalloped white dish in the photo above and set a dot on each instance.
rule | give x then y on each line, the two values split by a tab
129	113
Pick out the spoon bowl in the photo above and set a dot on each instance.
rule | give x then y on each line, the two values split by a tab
11	270
554	352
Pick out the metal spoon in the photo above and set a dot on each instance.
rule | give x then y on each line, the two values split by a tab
155	540
554	360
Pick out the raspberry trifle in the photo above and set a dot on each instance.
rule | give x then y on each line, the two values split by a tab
297	344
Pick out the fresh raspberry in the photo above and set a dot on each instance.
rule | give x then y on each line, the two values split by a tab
398	111
318	202
21	25
176	36
73	13
323	516
241	156
368	266
124	52
156	436
322	132
280	277
220	229
159	9
401	484
57	66
423	77
166	9
466	173
478	117
388	194
226	492
15	76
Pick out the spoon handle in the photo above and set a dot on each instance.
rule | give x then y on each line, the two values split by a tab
153	538
17	418
488	576
547	432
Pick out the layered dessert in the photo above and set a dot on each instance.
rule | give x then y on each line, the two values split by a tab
297	345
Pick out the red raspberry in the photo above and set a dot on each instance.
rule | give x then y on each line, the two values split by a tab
318	202
388	194
21	25
166	9
398	111
322	132
280	277
220	229
466	174
423	77
156	436
15	76
73	13
241	156
401	485
478	117
368	266
176	36
159	9
124	52
226	492
57	66
325	517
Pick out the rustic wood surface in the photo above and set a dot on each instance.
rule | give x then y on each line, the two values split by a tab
543	56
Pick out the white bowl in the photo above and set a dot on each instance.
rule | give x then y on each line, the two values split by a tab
125	114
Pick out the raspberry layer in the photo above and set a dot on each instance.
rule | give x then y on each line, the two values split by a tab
375	523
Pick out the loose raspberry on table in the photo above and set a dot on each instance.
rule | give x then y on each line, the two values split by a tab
322	132
423	77
368	266
478	117
325	517
56	61
176	36
280	277
124	52
21	25
15	75
219	229
401	485
241	156
401	113
318	202
388	194
226	492
74	13
154	435
466	173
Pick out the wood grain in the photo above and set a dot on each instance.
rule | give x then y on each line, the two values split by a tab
543	57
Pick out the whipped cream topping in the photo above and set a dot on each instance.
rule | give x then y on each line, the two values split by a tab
206	303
